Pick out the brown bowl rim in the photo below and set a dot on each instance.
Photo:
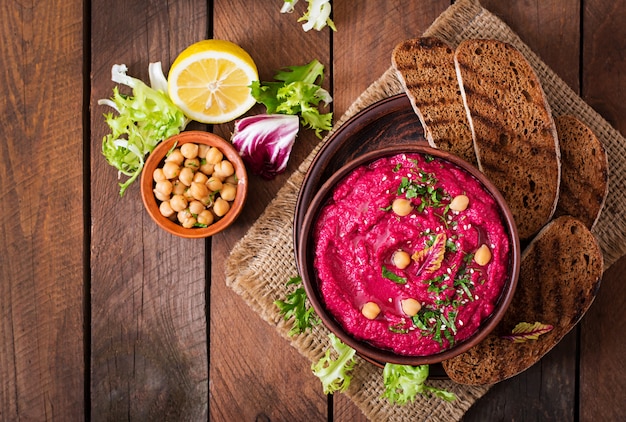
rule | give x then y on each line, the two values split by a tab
363	348
156	157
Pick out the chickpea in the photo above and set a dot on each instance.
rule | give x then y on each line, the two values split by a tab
214	184
228	192
482	256
196	207
198	191
187	194
166	209
402	207
206	168
171	170
186	176
207	201
410	306
214	155
192	163
189	150
158	175
178	188
401	259
223	169
231	179
206	217
160	196
202	150
164	187
370	310
175	157
200	177
178	203
183	215
189	222
459	203
220	207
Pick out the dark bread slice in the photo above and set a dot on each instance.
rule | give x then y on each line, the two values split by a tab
559	276
514	133
584	171
425	67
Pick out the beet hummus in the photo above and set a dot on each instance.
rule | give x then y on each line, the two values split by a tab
411	254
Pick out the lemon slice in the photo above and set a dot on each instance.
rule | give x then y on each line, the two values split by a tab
210	81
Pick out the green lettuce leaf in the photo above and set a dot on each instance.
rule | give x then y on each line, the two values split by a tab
335	373
298	91
141	121
403	383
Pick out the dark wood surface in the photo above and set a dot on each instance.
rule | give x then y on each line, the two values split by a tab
105	317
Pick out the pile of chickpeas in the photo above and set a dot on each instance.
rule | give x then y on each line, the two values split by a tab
196	185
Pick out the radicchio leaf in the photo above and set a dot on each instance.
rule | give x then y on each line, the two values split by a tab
430	258
525	331
265	141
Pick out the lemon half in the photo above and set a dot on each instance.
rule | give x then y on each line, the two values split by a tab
210	81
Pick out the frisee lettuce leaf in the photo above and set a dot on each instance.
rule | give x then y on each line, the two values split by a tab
142	120
316	17
403	383
335	373
297	90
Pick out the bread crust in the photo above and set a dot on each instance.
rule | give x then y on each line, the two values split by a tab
513	130
560	274
425	67
584	171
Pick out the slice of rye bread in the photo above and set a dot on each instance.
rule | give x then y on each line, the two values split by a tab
514	133
560	274
584	171
425	67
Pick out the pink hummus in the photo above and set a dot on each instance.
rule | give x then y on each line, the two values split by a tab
358	233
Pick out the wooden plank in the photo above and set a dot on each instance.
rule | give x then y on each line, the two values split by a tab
255	374
603	329
148	319
362	46
550	28
375	27
547	391
41	184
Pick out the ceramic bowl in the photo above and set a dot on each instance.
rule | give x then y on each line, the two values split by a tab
305	259
156	160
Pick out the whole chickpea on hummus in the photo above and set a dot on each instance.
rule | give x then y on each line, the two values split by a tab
411	254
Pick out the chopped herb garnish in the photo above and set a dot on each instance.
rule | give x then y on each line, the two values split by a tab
398	328
426	191
392	276
437	324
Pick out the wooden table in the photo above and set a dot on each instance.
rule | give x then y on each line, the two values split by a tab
105	317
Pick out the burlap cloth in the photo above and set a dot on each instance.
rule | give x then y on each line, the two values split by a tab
263	261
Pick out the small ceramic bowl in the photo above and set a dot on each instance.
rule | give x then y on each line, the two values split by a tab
156	160
305	260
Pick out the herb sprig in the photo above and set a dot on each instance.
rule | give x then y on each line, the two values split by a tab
295	306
